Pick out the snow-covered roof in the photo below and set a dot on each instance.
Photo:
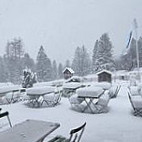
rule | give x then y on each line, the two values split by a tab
69	69
104	71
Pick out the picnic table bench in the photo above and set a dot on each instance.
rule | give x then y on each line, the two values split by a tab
28	131
89	94
37	95
11	98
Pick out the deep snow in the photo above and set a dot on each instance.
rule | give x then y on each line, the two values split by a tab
117	125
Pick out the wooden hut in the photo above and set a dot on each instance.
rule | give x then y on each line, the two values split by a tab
68	73
104	75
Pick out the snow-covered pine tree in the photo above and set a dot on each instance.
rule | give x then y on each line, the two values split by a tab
3	72
54	70
60	70
67	64
105	58
43	66
76	63
29	78
12	58
85	62
140	51
28	62
81	63
95	56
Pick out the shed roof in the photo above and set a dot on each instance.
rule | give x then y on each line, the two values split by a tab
103	71
69	69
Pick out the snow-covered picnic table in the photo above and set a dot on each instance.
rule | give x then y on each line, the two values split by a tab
71	87
89	94
28	131
36	94
8	92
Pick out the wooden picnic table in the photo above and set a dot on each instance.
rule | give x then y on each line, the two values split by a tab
10	89
89	94
37	92
28	131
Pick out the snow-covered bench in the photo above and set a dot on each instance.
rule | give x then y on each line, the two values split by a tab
136	102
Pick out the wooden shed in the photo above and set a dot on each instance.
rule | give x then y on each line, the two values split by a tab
68	73
104	75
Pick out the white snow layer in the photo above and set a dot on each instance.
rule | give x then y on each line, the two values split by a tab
117	125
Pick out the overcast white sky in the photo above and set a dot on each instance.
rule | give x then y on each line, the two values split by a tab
62	25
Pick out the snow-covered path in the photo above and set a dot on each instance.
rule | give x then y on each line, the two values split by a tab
118	125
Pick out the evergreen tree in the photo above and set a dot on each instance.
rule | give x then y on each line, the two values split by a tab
54	68
95	56
67	64
81	63
105	58
3	75
140	51
12	58
43	66
28	62
60	71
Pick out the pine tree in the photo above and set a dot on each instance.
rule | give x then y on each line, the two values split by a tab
14	53
67	64
3	75
105	59
43	66
140	51
81	63
60	71
95	56
28	62
54	68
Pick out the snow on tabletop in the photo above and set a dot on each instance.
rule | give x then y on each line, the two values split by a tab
91	91
6	89
72	85
40	90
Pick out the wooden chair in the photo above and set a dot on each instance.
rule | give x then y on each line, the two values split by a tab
136	104
3	114
75	135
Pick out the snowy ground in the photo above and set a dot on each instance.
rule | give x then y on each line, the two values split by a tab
118	125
